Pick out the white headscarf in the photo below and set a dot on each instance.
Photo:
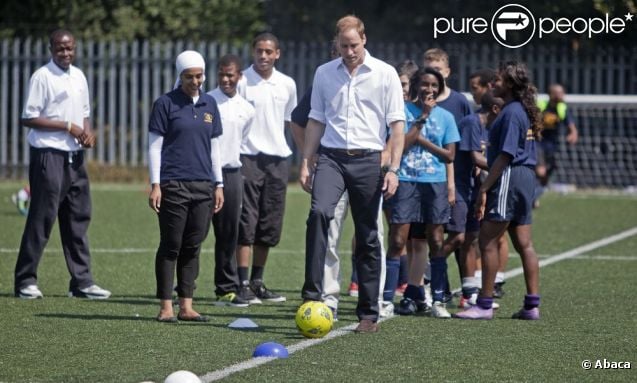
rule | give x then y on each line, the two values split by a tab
187	60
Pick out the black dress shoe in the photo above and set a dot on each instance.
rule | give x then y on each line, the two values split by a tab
366	326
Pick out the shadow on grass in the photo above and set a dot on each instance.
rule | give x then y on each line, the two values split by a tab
133	300
95	317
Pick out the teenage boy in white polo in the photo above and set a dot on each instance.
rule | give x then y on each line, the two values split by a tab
265	168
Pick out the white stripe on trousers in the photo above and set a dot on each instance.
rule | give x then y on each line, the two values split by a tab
503	193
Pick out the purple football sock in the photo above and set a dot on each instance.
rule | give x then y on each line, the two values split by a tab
485	303
531	301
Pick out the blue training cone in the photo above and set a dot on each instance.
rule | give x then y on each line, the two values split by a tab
270	349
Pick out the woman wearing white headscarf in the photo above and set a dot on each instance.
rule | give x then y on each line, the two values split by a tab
185	174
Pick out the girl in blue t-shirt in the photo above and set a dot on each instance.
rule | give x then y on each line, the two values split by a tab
506	196
420	205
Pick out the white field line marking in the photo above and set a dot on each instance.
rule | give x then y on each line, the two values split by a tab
248	364
254	362
578	250
605	258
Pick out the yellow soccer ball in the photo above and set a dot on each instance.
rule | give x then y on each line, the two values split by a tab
314	319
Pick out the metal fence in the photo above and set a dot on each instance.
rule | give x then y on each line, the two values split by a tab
125	77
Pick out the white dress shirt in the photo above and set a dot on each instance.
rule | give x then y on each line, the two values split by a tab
356	110
57	95
236	118
273	100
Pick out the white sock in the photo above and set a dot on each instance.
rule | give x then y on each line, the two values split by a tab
478	277
469	282
428	271
499	277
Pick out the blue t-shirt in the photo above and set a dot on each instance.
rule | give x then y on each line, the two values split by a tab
473	138
187	129
457	105
511	133
417	164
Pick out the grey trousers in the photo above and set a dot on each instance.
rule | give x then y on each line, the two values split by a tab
361	176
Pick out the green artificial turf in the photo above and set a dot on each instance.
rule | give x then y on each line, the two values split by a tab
588	309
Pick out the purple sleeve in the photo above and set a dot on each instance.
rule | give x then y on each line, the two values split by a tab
217	128
300	114
510	134
158	122
470	135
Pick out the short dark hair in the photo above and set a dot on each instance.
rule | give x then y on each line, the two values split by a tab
415	79
407	68
485	76
230	59
489	100
265	36
59	33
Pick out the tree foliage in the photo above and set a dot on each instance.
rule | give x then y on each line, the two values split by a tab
195	20
239	20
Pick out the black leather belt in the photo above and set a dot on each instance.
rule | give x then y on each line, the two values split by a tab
349	152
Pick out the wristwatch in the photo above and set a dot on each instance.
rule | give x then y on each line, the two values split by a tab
219	184
392	170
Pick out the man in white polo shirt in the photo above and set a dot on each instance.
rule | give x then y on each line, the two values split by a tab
354	99
265	167
236	117
57	110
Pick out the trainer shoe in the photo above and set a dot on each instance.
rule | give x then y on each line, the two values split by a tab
91	292
429	300
400	290
386	309
475	312
422	306
407	306
524	314
353	289
334	313
264	293
439	310
29	292
231	299
246	294
498	291
466	303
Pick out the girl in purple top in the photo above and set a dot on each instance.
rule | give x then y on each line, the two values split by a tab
505	198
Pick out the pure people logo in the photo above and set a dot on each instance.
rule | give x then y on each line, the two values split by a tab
513	25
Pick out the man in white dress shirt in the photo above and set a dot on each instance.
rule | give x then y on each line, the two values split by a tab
236	117
265	167
354	99
57	111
